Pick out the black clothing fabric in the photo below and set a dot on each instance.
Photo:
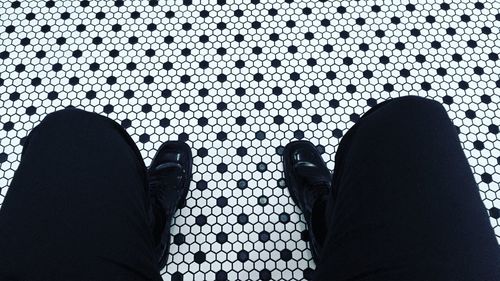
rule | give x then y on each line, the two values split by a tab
405	204
77	207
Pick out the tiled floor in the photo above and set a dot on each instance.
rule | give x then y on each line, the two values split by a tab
237	80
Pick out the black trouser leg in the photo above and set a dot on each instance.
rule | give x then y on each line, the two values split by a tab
406	205
77	207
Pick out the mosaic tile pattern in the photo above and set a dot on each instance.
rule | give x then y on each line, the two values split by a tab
237	80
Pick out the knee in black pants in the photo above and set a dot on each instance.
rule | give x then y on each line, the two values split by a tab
414	104
67	122
75	117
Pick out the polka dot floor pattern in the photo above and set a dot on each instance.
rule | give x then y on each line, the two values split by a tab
237	80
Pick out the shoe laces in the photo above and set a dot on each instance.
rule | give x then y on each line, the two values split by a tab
164	185
316	183
313	175
318	191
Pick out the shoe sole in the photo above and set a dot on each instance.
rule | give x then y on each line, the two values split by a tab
184	148
287	160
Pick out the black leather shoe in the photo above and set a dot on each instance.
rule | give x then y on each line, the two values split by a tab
169	176
309	182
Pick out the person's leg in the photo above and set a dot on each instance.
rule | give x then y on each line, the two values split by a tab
77	207
405	205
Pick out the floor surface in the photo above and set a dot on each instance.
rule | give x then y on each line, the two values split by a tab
238	80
